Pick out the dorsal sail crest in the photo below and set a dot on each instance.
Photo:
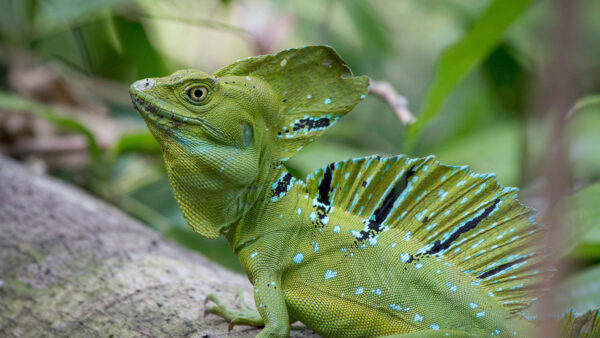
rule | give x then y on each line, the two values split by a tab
454	214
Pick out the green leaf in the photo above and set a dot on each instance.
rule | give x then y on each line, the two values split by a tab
369	26
585	102
142	142
581	292
490	150
52	14
463	56
584	139
13	102
582	220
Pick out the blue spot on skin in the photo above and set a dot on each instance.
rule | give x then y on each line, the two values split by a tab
358	291
336	229
298	258
316	245
309	96
362	97
418	317
313	216
299	211
404	257
254	254
346	175
396	307
473	305
434	327
394	245
418	266
480	314
329	274
376	291
327	100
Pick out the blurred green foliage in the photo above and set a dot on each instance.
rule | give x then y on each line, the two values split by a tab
469	68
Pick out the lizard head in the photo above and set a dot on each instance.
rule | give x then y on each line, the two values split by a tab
224	135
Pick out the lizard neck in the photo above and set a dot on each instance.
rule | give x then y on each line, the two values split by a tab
254	223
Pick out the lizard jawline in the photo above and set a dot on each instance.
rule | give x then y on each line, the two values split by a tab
150	110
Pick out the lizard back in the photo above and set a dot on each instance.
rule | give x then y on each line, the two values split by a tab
410	240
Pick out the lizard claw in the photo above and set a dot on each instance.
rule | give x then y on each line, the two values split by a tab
231	325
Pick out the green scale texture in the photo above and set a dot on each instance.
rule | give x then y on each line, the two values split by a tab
365	247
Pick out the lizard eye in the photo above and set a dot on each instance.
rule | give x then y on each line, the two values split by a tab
197	94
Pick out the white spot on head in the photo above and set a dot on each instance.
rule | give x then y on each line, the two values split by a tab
283	63
144	84
336	229
254	254
418	318
327	100
248	78
359	291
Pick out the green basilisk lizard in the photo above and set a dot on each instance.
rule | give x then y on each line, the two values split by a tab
364	247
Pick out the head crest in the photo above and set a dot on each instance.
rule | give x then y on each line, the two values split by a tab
315	88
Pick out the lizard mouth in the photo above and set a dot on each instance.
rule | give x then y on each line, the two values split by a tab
157	110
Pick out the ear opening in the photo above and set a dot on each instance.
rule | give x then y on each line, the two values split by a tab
315	89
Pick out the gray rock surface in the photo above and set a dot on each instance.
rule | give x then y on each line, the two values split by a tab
71	265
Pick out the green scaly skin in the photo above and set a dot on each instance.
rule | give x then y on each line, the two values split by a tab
364	247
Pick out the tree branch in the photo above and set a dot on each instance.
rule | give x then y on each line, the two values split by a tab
397	102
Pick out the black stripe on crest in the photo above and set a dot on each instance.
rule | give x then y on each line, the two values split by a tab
439	246
501	267
381	213
325	185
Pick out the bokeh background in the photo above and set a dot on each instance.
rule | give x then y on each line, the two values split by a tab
509	87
